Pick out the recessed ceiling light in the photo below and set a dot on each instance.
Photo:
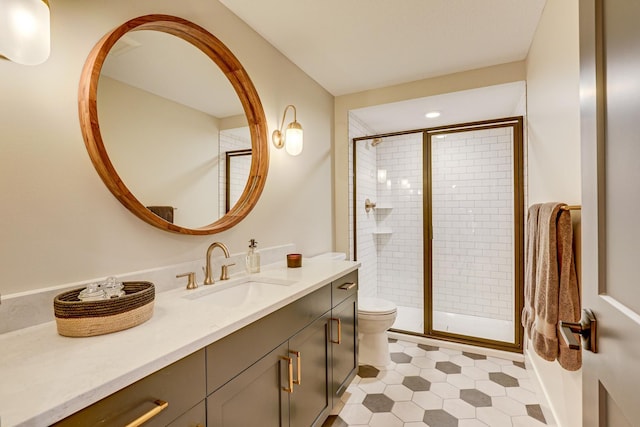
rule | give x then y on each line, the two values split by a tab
432	114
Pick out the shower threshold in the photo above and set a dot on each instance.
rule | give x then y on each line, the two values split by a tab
411	319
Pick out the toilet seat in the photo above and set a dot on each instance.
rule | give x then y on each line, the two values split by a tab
375	306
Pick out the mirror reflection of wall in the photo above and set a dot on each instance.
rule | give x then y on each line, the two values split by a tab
161	105
235	146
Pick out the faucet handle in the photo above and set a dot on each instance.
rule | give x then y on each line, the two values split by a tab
191	281
224	271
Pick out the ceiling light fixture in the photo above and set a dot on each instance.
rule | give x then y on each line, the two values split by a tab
432	114
291	140
25	31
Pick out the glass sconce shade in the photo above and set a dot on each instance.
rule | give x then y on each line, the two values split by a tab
292	139
25	31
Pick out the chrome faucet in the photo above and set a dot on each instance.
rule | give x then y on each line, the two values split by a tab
208	277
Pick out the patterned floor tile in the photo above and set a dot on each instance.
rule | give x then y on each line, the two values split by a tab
439	418
378	403
461	381
445	390
509	406
503	379
401	357
427	400
459	408
490	388
427	386
398	392
385	420
448	367
535	411
475	398
408	411
423	362
416	383
474	356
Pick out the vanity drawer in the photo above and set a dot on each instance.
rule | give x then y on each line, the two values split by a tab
182	385
344	287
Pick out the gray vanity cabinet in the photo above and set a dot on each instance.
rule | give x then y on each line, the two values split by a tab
260	395
344	333
285	386
181	385
344	352
283	370
254	397
309	401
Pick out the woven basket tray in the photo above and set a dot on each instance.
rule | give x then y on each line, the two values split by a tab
75	318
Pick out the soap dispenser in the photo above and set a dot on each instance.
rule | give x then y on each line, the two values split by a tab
253	258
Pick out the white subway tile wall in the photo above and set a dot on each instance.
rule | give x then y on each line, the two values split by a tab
472	217
366	224
399	216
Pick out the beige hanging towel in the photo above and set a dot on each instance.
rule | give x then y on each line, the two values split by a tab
556	293
569	291
544	336
530	261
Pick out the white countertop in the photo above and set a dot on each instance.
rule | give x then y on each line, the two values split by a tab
45	377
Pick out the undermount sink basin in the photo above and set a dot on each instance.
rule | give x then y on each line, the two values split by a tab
240	292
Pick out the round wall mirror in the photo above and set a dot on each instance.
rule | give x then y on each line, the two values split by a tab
161	102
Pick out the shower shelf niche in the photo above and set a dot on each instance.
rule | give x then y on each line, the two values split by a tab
382	231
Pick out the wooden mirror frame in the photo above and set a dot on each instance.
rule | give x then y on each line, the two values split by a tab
229	65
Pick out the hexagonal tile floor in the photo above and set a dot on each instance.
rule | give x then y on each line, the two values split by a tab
444	388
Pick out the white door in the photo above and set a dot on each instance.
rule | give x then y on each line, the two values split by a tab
610	134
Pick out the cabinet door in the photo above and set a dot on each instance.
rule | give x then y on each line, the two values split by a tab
255	397
310	400
344	344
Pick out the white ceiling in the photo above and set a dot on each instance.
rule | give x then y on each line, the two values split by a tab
349	46
354	45
466	106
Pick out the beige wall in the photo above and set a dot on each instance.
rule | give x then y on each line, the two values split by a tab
60	224
499	74
553	107
166	152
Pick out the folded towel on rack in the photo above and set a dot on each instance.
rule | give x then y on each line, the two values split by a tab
569	293
530	261
544	332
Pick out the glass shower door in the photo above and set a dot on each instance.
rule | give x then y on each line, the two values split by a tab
474	277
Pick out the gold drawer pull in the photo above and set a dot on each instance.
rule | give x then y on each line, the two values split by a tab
299	360
290	374
339	330
347	286
161	405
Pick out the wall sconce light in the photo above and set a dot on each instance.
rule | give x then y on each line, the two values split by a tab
291	140
24	31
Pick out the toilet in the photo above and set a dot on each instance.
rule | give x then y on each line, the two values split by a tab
375	316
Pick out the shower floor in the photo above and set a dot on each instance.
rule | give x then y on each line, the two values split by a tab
412	319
